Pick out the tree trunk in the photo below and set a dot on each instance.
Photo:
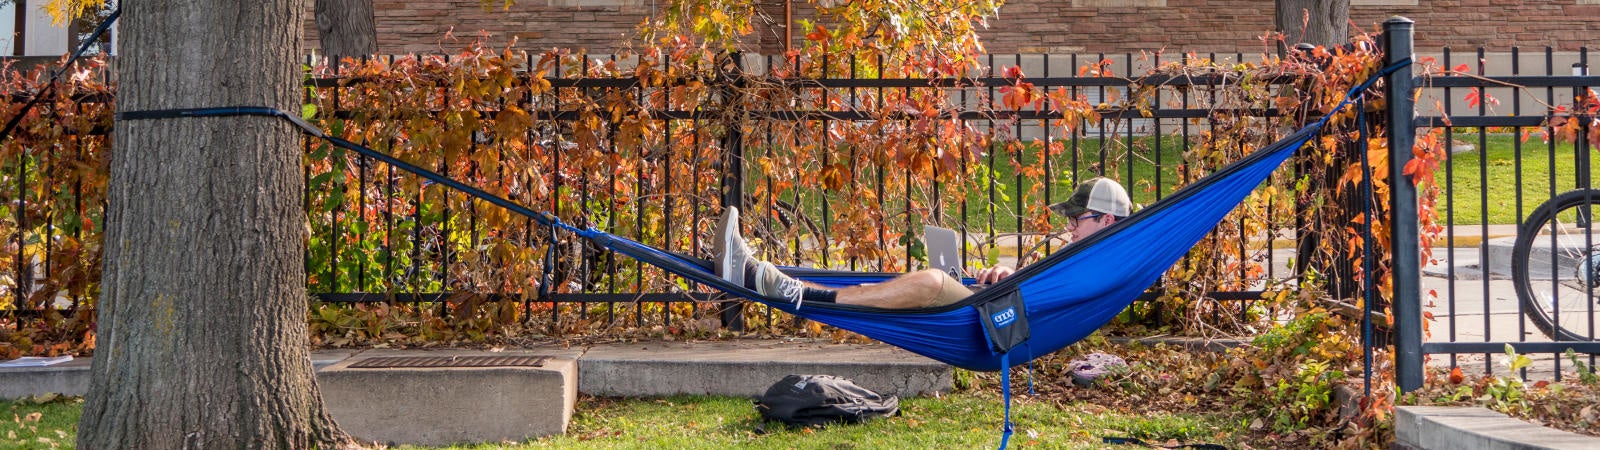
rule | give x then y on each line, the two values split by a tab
202	323
1322	247
1318	22
347	28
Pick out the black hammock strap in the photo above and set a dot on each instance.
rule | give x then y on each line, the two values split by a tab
686	267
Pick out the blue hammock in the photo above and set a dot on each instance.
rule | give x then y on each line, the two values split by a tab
1038	310
1043	307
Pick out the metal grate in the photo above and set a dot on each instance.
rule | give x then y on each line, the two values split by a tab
450	361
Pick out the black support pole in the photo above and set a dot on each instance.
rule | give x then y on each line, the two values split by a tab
732	70
1407	257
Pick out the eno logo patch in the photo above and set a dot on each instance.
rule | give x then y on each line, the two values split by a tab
1003	319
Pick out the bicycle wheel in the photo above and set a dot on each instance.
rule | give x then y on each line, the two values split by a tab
1555	265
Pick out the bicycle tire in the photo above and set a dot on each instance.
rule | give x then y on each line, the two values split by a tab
1562	307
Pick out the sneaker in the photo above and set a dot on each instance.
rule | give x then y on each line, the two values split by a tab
729	249
772	282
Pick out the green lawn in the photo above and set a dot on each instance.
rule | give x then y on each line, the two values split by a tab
1461	199
962	420
1137	169
955	421
1464	196
39	423
998	190
1490	178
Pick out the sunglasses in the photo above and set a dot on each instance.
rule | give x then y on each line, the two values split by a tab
1088	216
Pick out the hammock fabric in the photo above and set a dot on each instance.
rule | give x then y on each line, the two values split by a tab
1040	309
1048	304
1043	307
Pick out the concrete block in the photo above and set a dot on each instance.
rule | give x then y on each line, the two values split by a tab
68	378
747	369
1477	428
446	405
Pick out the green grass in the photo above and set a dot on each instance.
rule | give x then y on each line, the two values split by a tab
1077	161
1470	172
39	423
956	421
1464	195
1462	178
699	422
1075	164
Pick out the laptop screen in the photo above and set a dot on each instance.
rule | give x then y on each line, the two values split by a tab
944	250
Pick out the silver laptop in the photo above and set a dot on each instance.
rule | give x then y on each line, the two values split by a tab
944	249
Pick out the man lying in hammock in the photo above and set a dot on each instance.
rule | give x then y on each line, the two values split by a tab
1095	205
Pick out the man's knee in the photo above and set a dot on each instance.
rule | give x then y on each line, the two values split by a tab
946	289
951	289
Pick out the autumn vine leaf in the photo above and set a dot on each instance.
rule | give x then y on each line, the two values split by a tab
1474	97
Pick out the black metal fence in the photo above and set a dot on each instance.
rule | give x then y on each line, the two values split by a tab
373	245
1502	115
371	242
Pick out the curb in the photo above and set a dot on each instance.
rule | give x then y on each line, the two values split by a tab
1475	428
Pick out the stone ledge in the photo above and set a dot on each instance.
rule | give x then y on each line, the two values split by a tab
69	378
747	369
1477	428
436	406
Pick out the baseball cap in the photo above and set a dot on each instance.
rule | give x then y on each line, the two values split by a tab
1098	194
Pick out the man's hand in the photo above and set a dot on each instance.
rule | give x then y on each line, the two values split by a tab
992	275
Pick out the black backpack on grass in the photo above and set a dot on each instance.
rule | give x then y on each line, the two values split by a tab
815	400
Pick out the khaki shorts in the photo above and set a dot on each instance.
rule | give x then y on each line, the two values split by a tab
952	291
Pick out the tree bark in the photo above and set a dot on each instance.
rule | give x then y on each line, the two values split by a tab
346	28
1322	248
202	323
1318	22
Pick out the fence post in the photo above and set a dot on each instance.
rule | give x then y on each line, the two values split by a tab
732	73
1407	301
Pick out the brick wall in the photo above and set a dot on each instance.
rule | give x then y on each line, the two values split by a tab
449	25
1054	26
1027	26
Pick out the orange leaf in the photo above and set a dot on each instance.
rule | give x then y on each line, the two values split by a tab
820	35
1456	376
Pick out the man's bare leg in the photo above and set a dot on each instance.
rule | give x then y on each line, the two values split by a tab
923	289
927	288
